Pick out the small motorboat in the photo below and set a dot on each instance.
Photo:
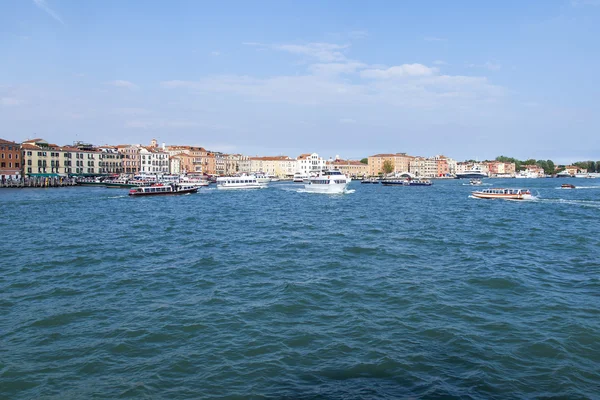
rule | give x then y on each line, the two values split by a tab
475	182
567	186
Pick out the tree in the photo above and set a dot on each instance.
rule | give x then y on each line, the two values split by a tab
551	167
388	167
364	161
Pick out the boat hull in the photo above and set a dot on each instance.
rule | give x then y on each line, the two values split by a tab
523	196
182	191
471	175
329	188
240	187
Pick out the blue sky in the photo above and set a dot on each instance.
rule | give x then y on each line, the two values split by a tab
468	79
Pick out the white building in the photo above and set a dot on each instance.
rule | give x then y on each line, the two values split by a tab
310	163
154	161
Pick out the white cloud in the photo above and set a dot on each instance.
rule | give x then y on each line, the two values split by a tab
360	34
399	71
487	65
10	101
42	4
324	52
336	68
434	39
123	84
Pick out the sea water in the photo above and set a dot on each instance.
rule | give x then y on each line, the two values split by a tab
382	292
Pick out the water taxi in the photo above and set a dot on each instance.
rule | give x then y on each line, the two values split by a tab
331	181
239	182
475	182
503	193
160	189
406	182
567	186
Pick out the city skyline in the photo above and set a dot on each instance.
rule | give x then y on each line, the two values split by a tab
472	81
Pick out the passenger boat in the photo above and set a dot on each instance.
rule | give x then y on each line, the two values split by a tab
239	182
262	178
475	182
503	193
330	181
300	177
567	186
474	172
370	180
160	189
406	182
119	184
193	181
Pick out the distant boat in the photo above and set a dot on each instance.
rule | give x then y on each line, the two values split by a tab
160	189
503	193
475	182
567	186
527	174
406	182
370	180
239	182
474	172
300	177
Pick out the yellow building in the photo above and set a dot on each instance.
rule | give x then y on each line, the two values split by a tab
41	158
350	168
400	161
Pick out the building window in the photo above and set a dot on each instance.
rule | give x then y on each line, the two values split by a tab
17	165
3	165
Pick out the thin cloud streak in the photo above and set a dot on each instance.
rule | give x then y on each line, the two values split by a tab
42	4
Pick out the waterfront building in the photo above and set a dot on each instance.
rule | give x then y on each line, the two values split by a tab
501	168
43	159
10	160
281	166
443	166
424	167
310	163
153	160
220	164
400	161
534	170
349	167
111	160
236	163
130	154
573	169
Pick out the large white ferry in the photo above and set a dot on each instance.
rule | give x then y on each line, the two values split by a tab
474	172
239	182
331	181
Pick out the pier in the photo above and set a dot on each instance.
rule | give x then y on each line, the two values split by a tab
38	182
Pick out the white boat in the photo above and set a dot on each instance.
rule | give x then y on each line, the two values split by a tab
262	178
474	172
192	181
300	177
527	174
239	182
564	174
503	193
475	182
330	181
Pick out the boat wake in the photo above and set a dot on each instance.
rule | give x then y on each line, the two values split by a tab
331	194
581	203
579	187
117	197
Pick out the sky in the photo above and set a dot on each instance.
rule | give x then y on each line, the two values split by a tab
467	79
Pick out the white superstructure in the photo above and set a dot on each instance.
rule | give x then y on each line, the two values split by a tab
239	182
331	181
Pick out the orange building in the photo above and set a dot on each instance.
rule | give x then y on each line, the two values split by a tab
10	160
